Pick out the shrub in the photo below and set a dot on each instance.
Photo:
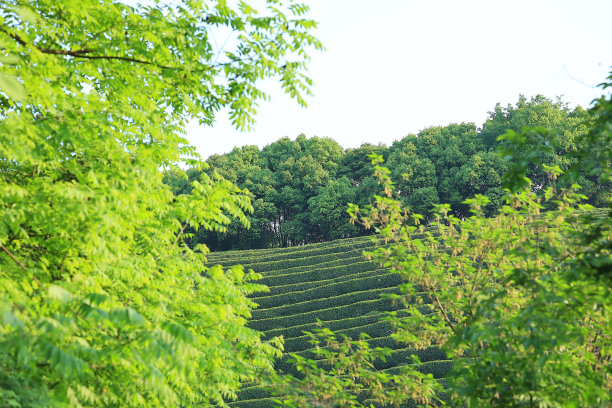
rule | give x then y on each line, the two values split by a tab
339	325
254	403
257	257
325	271
375	330
317	304
297	287
253	392
333	313
334	289
283	264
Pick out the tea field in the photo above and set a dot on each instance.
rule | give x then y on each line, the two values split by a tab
331	282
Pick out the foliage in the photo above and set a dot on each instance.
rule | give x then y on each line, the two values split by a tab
101	303
283	177
321	250
324	303
522	299
350	378
300	187
328	213
322	289
332	313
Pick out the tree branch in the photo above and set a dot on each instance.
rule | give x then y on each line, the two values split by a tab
21	265
179	236
84	53
76	54
444	315
13	257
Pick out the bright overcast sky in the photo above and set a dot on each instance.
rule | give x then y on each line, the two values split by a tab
393	67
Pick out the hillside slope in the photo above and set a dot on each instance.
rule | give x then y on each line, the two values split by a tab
331	282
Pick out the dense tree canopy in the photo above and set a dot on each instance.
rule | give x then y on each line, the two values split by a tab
101	303
298	186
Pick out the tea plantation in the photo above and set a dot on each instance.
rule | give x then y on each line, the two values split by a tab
331	282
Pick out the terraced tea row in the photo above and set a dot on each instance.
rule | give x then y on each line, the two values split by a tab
377	278
299	255
325	285
258	396
319	272
294	252
338	326
331	313
228	257
288	265
347	299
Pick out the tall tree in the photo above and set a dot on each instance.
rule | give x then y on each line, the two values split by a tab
482	174
425	166
101	303
246	168
328	215
300	169
564	127
355	164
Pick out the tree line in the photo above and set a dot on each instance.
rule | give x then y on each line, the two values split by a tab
300	188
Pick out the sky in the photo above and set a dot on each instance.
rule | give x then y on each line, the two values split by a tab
394	67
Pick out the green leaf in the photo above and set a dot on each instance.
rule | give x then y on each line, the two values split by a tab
126	316
27	14
9	319
10	59
58	293
11	87
179	332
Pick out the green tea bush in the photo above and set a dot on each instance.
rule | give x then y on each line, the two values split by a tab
325	271
254	403
397	358
257	257
317	304
380	328
302	343
335	289
253	393
374	330
402	357
297	287
374	404
385	342
307	268
335	325
242	254
332	313
238	256
271	266
439	368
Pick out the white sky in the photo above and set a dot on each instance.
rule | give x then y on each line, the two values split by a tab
393	67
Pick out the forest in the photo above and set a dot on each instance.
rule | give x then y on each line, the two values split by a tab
462	266
300	188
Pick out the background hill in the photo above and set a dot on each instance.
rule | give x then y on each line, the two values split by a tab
300	188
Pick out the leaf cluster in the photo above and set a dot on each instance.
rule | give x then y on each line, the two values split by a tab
101	301
522	299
